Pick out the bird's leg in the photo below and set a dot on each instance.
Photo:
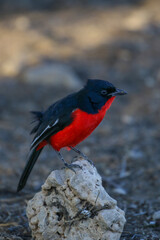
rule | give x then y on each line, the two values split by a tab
82	154
67	165
79	152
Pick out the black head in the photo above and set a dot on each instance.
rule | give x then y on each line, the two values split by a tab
103	88
95	94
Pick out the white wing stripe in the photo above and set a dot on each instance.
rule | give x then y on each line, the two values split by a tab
55	122
44	131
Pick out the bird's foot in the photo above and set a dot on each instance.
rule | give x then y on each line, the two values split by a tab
82	155
71	166
87	159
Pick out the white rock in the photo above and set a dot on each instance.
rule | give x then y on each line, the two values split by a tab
54	74
156	215
120	190
53	212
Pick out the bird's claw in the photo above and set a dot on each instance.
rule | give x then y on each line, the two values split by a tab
91	162
85	158
72	166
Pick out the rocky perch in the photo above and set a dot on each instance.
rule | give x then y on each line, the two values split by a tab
75	206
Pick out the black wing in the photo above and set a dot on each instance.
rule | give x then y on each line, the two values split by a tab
56	118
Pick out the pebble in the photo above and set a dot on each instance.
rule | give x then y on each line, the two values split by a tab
120	191
156	215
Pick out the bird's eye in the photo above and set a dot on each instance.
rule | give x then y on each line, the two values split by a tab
104	92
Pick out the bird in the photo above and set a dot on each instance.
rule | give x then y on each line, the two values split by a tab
69	121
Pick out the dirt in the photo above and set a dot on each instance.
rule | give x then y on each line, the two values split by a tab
119	44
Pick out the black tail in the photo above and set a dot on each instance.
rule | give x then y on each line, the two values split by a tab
28	168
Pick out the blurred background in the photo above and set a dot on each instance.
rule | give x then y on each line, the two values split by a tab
47	50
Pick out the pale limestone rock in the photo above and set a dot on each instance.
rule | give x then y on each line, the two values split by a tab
75	206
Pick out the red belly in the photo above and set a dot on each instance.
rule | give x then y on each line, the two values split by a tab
82	126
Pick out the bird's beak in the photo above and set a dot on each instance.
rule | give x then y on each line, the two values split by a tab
118	92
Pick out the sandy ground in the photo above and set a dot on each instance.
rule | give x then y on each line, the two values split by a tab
119	44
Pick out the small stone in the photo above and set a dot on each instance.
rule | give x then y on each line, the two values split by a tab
156	215
152	223
127	119
120	191
136	153
75	206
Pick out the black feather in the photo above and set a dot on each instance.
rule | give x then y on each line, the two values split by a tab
34	130
37	117
28	168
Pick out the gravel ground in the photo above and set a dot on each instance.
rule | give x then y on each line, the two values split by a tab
119	44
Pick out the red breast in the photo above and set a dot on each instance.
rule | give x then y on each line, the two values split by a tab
81	127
